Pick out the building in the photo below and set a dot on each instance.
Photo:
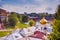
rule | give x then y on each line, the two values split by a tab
3	16
38	17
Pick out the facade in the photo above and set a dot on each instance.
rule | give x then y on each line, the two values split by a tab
3	16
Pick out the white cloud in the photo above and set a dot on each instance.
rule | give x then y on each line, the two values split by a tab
48	1
27	8
43	6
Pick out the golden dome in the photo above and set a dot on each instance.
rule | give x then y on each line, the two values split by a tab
43	21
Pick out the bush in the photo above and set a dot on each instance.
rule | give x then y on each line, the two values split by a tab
31	23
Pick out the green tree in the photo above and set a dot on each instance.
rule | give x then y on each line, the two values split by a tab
55	35
5	22
24	18
31	22
19	17
57	14
12	19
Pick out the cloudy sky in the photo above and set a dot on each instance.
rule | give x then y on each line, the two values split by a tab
29	6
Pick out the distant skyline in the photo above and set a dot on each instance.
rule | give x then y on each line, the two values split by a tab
30	6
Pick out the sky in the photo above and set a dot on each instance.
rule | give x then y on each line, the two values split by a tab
30	6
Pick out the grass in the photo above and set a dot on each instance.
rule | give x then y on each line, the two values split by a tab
4	33
18	25
21	25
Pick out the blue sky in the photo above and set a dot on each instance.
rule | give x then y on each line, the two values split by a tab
29	6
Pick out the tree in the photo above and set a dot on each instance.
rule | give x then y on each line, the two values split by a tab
19	17
55	35
12	19
5	22
31	23
57	14
24	18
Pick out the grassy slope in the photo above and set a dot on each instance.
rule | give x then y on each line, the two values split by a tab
19	25
4	33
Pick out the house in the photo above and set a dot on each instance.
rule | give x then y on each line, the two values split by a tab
3	16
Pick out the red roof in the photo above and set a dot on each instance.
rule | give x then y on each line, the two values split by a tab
38	34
